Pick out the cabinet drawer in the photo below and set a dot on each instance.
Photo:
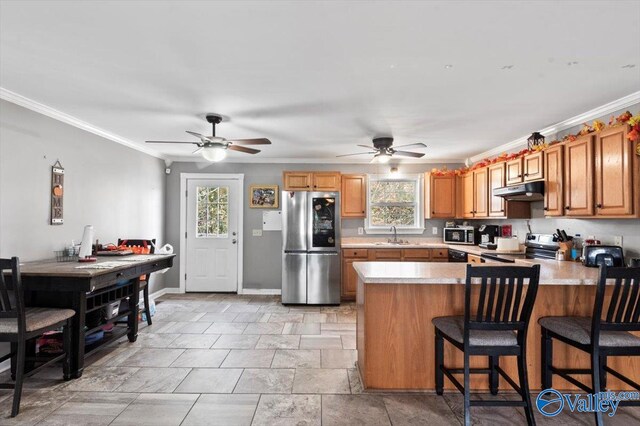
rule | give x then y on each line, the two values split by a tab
472	258
440	253
387	254
355	253
421	254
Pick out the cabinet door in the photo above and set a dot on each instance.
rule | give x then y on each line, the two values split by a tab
533	167
353	195
553	178
614	174
514	171
467	195
442	197
578	177
496	180
481	186
349	280
297	181
472	258
326	181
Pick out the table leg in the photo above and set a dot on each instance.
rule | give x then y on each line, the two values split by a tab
79	304
134	299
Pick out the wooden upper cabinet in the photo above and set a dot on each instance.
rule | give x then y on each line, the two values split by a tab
440	196
514	171
297	181
467	195
353	196
326	181
553	172
578	177
496	180
614	172
533	167
480	187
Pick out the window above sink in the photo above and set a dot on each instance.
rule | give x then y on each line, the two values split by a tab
394	201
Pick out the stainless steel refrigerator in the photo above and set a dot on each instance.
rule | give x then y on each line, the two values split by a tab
311	248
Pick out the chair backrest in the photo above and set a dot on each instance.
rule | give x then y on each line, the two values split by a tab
11	297
142	243
622	311
501	305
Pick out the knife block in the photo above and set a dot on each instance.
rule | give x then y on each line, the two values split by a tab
566	247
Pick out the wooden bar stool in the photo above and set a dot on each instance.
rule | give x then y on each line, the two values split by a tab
144	281
19	324
599	337
498	327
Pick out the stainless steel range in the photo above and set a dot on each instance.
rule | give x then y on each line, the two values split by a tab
538	246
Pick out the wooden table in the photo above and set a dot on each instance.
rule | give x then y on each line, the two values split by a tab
84	287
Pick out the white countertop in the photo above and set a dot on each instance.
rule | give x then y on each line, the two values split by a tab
380	243
552	272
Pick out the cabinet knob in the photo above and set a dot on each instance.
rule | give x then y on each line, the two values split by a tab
526	174
362	211
567	207
599	206
545	208
519	176
433	212
502	210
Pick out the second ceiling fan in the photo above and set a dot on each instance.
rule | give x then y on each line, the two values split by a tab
383	150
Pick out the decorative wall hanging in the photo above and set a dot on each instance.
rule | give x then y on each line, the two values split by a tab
263	197
57	194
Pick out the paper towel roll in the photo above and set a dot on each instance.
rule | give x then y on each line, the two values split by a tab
87	241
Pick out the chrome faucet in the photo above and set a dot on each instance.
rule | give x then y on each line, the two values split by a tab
395	235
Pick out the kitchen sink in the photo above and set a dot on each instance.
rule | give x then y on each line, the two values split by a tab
391	243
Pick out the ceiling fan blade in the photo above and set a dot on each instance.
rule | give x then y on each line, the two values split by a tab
366	146
258	141
194	143
198	135
412	145
409	154
243	149
357	153
197	150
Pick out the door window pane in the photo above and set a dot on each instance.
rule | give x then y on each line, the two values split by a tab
212	209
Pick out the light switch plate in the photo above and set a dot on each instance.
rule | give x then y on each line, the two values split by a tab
257	232
360	230
617	240
434	230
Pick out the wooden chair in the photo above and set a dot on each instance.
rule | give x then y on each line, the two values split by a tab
498	327
599	337
19	324
144	281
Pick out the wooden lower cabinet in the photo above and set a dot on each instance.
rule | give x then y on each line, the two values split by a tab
350	277
472	258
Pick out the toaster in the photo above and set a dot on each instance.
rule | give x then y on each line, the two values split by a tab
596	255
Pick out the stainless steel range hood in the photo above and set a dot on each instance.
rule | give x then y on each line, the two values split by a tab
531	191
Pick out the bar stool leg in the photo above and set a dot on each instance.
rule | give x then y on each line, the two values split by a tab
147	309
524	388
603	372
439	344
595	377
547	359
17	392
494	362
66	341
467	391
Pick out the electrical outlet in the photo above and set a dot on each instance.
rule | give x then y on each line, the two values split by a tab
434	230
617	240
360	230
257	232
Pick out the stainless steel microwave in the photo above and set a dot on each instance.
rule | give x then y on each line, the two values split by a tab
460	235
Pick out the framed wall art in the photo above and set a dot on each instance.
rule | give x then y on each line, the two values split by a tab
264	197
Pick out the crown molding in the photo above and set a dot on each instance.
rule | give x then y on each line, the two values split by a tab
592	114
268	160
32	105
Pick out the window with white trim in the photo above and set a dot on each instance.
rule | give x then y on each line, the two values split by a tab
394	201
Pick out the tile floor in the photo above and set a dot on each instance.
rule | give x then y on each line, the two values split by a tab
212	359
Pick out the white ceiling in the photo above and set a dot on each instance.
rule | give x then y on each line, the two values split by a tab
317	78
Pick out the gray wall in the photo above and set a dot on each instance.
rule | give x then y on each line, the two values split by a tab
118	190
262	255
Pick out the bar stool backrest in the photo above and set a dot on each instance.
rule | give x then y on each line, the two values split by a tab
622	311
11	297
501	305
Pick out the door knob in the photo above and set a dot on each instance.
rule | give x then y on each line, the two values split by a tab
234	241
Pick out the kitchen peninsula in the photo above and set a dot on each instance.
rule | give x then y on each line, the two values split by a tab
395	337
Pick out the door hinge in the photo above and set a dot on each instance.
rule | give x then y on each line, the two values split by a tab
186	193
185	277
185	234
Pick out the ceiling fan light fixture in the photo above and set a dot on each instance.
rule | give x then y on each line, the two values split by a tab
214	153
383	157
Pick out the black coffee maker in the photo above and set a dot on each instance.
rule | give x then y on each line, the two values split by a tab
488	234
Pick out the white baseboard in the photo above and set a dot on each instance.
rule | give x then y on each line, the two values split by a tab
169	290
262	291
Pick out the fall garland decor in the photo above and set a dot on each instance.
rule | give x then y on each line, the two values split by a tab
625	118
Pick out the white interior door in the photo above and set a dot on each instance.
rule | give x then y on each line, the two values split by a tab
212	235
